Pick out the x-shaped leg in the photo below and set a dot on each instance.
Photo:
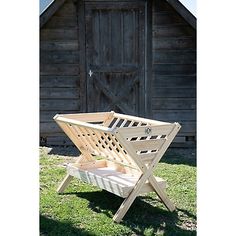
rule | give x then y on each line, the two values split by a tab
147	174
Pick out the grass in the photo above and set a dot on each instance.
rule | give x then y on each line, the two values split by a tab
86	210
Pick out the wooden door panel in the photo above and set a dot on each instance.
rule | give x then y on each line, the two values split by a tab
115	56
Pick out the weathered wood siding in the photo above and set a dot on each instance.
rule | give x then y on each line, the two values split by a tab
174	71
59	72
173	93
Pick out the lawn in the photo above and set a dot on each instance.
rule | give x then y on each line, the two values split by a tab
86	210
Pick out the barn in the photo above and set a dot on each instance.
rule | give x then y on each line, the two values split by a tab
135	57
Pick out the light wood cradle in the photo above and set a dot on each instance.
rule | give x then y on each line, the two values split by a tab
118	153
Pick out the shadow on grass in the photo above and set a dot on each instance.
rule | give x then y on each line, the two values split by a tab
142	215
50	227
180	156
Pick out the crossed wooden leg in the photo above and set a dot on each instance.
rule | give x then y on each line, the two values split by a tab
147	175
65	182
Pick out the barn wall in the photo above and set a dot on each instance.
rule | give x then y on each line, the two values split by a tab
59	71
174	71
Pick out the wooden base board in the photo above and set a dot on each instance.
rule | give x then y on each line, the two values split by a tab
107	177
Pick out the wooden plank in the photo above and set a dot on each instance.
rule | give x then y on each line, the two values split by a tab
59	45
82	52
179	56
53	93
171	81
64	183
65	22
174	115
172	30
174	69
50	81
174	43
140	131
159	92
56	140
47	115
173	103
49	127
60	57
59	105
59	69
58	34
68	9
152	144
166	17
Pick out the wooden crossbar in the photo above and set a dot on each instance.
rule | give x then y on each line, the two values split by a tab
130	148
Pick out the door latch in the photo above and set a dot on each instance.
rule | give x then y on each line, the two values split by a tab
90	73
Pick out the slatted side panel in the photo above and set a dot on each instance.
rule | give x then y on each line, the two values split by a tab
174	71
147	141
59	72
98	143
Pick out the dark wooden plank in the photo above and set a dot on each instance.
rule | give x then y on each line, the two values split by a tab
174	69
62	140
54	57
58	34
68	9
82	52
158	92
173	103
161	5
59	69
172	30
59	45
174	115
162	18
64	93
61	22
56	105
47	116
49	128
168	81
179	56
48	81
174	43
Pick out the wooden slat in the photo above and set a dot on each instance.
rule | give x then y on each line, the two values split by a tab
59	105
140	131
87	117
174	115
68	9
58	34
170	81
60	81
64	22
174	93
173	103
60	57
82	124
178	56
59	69
59	45
153	144
53	93
167	17
174	43
174	69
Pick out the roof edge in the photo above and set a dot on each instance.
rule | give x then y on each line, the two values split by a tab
49	11
184	12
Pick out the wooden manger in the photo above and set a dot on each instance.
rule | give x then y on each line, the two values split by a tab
129	149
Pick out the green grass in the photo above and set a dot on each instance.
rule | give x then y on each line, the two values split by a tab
86	210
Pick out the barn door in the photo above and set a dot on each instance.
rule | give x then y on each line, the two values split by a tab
115	56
